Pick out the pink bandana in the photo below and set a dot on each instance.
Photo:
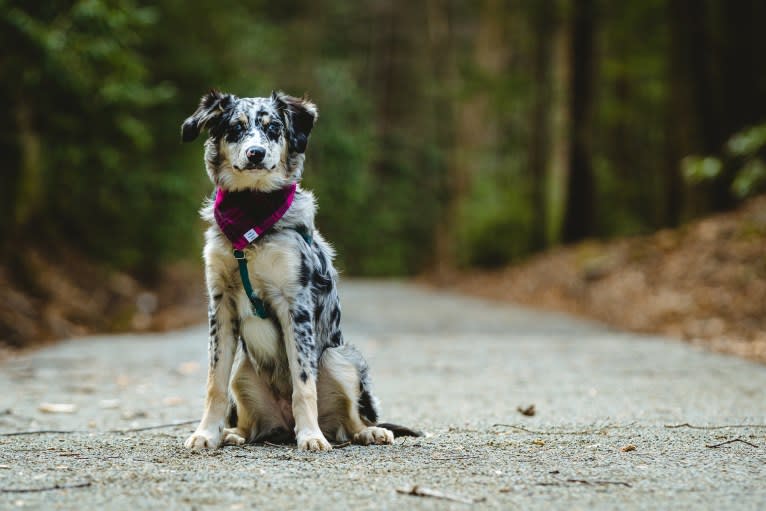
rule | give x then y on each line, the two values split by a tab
243	216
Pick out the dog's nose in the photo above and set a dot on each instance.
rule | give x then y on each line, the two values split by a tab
255	154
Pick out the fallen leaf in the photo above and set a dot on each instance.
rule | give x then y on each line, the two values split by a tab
188	368
628	448
528	411
134	414
57	408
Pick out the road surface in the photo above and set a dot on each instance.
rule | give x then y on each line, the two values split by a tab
452	366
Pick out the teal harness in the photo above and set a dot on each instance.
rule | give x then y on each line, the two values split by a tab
257	304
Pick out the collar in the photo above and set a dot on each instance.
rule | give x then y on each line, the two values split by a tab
245	215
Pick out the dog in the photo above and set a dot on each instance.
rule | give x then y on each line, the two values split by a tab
279	369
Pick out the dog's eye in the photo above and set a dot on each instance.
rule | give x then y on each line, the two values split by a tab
272	130
235	131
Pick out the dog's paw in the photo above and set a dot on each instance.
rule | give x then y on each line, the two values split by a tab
233	436
374	435
312	441
203	439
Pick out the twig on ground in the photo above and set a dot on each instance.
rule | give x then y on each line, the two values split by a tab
419	491
731	442
585	481
687	425
46	488
73	431
43	432
535	432
292	446
456	457
271	444
158	426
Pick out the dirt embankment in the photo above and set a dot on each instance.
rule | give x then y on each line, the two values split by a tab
62	294
704	282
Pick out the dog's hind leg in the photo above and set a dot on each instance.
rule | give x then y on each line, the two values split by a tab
347	408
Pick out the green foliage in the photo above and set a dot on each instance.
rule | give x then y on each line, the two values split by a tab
750	179
745	152
697	169
495	226
85	95
340	152
629	115
426	129
749	147
748	142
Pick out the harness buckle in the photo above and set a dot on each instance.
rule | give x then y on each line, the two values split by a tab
239	255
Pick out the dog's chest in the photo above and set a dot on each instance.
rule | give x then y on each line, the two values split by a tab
265	348
273	266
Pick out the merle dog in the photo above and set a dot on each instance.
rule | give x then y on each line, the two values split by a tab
293	377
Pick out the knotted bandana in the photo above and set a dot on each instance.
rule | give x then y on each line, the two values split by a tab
245	215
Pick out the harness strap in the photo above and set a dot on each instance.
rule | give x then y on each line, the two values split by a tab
305	234
258	306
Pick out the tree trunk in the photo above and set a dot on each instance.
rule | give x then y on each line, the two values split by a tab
29	189
580	207
560	119
543	22
442	113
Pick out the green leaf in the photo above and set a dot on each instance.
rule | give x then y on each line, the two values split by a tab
748	141
750	178
697	169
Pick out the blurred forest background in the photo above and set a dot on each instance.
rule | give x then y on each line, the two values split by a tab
453	133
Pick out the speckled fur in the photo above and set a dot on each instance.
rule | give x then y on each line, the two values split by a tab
290	376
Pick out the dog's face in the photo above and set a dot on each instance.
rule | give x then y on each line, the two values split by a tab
254	143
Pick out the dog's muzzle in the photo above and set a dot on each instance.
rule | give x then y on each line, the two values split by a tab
255	154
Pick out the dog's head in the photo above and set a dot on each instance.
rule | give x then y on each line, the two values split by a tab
254	143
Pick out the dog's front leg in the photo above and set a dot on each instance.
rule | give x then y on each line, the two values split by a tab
221	348
302	358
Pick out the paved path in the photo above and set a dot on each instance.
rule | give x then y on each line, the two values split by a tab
449	365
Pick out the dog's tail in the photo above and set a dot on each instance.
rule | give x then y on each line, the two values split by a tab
398	430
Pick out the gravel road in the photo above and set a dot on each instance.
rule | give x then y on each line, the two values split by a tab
449	365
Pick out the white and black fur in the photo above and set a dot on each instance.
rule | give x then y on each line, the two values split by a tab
289	376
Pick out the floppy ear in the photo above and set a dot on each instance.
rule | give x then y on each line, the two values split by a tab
211	106
300	114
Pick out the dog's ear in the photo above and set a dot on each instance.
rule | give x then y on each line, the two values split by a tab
210	108
299	114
